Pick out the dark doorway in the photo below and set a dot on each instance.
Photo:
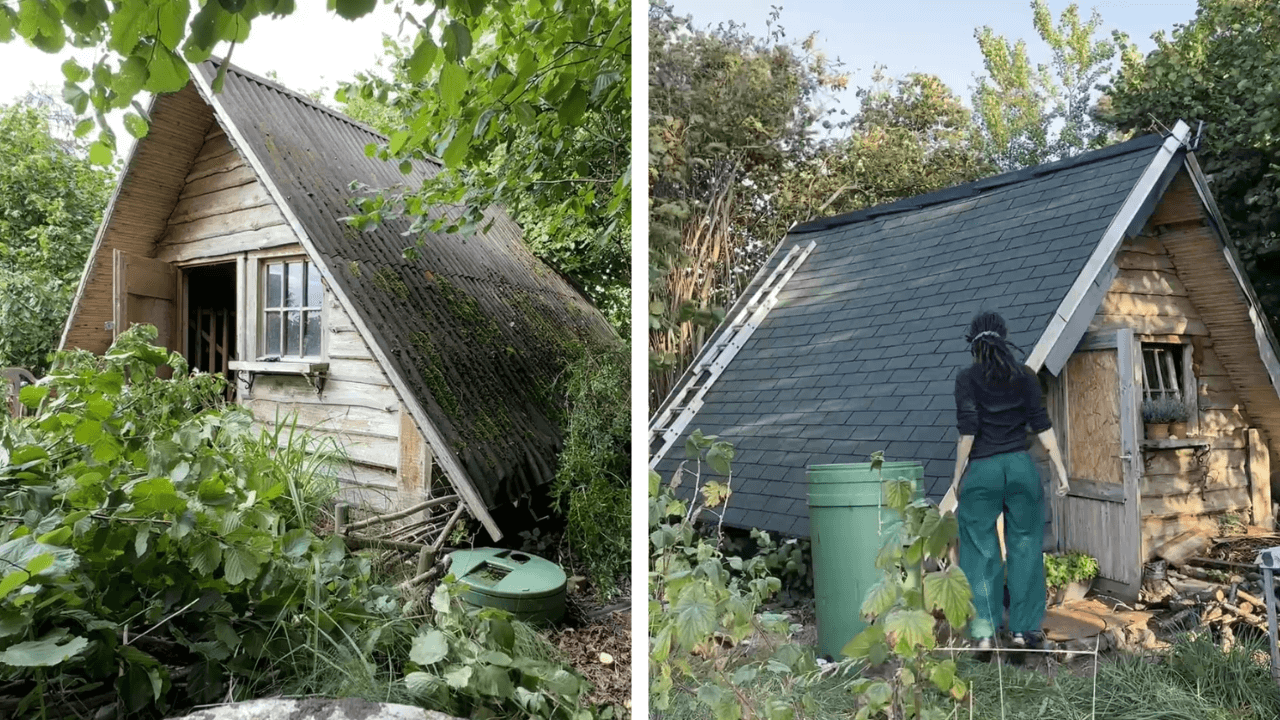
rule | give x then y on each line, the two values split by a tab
211	319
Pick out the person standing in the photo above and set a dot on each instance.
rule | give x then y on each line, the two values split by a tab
997	400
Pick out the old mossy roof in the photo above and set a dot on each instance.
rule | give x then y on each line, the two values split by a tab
478	328
862	350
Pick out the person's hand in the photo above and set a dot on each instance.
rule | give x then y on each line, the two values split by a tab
1063	485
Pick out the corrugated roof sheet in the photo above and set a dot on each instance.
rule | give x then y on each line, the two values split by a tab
862	350
476	326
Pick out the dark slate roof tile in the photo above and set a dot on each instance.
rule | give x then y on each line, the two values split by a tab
879	311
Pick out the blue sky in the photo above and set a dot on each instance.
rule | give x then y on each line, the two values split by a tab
932	36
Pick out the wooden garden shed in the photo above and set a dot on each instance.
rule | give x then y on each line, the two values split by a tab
1118	281
437	376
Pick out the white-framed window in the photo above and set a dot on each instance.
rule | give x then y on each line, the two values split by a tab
1168	372
290	309
1163	374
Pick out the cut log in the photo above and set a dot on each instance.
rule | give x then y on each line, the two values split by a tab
1184	547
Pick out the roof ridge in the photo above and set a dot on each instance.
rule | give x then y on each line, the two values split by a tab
975	188
294	94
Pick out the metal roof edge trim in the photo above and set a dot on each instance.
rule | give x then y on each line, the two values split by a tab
1263	335
1055	333
107	215
448	461
977	187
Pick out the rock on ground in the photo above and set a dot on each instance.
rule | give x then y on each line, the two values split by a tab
314	709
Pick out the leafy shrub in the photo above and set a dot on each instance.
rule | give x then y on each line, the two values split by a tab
900	609
480	662
707	638
1075	566
592	488
156	547
145	527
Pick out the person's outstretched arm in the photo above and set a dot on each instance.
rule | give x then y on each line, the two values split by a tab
1050	443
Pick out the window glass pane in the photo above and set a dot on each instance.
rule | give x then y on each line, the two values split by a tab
293	333
315	290
272	320
311	334
294	287
275	279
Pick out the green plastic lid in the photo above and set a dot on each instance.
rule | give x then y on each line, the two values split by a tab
507	573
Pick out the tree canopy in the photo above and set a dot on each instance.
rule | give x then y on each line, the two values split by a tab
49	211
536	117
506	93
1031	114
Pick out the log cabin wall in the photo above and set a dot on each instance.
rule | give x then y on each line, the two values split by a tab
222	208
139	210
222	212
1168	289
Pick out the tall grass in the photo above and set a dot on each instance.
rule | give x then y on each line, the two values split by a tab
1195	681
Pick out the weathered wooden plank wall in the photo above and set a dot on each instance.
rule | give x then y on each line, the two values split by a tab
1172	281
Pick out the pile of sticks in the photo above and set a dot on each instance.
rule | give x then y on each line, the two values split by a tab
424	535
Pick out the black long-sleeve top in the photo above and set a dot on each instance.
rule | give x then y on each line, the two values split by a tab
998	413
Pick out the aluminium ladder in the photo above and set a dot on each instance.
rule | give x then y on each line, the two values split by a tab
686	399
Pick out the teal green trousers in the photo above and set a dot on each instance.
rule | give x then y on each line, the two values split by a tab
1007	483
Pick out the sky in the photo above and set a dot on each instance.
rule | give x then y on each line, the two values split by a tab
931	36
309	50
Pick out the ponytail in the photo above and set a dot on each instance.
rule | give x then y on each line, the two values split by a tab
990	348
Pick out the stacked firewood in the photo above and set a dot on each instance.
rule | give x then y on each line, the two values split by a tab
1225	597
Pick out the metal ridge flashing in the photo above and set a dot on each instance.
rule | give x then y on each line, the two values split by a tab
1070	320
978	187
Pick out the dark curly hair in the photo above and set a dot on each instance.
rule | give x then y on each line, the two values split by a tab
988	341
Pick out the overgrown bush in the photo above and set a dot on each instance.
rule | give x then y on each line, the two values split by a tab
158	553
592	488
708	640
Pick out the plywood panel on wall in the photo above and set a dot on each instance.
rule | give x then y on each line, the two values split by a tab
1093	411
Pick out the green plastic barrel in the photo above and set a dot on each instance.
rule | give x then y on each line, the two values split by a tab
529	587
845	530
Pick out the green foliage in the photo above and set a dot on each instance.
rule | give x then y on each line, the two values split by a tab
1194	680
1030	115
900	610
145	527
134	506
743	144
591	488
49	211
791	561
704	603
479	662
1220	68
528	105
729	115
1064	569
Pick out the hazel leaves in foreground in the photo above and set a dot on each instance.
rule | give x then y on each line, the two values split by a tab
901	607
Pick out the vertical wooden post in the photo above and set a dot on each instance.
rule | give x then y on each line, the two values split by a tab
1260	480
342	518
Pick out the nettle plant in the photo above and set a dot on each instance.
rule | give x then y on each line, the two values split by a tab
903	610
704	604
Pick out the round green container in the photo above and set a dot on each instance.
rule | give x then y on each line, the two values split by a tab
527	586
845	529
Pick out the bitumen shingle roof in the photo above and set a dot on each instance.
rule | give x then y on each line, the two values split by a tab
476	326
861	352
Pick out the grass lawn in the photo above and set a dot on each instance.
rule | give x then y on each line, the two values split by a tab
1195	680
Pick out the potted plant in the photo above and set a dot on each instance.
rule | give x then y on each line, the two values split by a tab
1178	422
1158	413
1069	576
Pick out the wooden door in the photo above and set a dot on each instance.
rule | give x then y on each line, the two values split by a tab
145	292
1100	515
